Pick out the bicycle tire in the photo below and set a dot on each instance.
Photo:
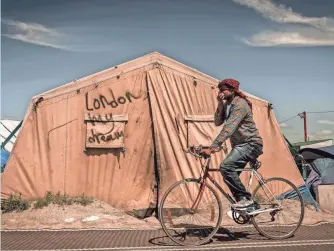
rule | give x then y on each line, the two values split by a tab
163	223
265	232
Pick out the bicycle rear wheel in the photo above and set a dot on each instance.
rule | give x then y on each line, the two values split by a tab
190	212
282	208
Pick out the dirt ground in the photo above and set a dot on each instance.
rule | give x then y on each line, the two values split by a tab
96	215
101	215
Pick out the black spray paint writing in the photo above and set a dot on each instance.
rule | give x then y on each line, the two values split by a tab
102	101
97	137
105	137
98	118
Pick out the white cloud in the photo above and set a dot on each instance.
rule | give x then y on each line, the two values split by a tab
34	33
319	31
321	135
325	122
324	132
283	125
283	14
271	38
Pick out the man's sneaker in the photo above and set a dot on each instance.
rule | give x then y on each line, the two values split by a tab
242	204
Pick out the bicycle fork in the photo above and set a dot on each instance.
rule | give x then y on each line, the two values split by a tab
195	204
199	196
198	200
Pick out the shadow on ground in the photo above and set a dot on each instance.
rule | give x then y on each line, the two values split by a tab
222	235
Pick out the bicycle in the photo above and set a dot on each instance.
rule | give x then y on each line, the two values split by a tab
197	194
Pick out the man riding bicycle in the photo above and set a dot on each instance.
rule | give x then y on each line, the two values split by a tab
246	142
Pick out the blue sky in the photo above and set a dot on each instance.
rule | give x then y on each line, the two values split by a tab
281	51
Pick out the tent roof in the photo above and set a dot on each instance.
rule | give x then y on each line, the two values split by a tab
305	143
311	154
153	58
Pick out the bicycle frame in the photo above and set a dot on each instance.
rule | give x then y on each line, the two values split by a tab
213	218
226	195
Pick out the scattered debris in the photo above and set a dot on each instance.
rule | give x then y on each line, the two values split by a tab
90	218
69	220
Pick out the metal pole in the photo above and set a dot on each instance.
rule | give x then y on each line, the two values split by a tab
303	116
305	126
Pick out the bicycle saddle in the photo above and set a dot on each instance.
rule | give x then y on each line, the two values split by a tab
255	164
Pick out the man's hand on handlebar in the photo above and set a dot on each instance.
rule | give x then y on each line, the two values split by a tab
206	152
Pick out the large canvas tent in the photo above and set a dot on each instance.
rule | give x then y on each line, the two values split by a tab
118	135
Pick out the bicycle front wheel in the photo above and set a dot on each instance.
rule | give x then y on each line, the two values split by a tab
281	208
190	212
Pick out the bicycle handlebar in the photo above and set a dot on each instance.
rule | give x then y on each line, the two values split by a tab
196	151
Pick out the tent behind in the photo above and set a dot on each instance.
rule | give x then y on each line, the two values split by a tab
118	135
4	158
311	154
9	131
322	167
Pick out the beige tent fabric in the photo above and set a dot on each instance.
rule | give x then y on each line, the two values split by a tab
155	94
174	97
50	154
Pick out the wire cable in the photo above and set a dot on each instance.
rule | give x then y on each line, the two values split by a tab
321	112
306	112
288	119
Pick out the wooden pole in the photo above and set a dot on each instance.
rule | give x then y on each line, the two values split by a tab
303	116
305	127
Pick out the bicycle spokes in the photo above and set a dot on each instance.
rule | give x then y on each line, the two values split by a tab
190	212
282	213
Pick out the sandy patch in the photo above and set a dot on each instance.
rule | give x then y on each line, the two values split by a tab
96	215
